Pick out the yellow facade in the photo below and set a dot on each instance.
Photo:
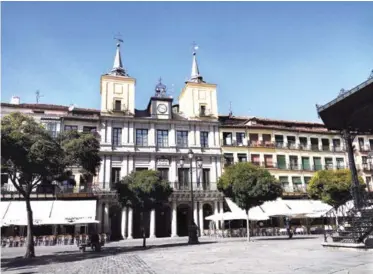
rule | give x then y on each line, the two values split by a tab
117	89
197	96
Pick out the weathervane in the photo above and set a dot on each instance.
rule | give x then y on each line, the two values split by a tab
118	38
38	96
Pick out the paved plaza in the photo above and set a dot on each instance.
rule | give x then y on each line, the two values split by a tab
169	256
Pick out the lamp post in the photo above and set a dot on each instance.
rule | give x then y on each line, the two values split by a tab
192	228
370	167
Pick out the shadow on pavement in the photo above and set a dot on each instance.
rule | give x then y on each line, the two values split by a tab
285	238
20	263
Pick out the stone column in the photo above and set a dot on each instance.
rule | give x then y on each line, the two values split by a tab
195	215
216	212
106	219
152	224
124	223
130	223
201	218
221	210
174	220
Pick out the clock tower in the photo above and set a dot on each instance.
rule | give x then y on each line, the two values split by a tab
160	105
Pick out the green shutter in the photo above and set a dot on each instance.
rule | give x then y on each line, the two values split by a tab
317	163
297	180
281	162
306	163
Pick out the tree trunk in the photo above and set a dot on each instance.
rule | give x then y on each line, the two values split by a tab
247	225
30	248
143	230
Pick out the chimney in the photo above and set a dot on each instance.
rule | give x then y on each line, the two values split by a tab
15	100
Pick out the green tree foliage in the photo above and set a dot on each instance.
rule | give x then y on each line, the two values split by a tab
333	187
249	186
143	190
30	155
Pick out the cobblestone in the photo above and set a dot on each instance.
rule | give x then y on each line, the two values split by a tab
171	256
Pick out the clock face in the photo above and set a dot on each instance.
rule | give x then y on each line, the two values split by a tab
162	108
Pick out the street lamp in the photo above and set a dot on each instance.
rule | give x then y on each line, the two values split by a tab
370	167
192	228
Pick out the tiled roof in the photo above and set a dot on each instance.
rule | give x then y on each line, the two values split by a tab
49	107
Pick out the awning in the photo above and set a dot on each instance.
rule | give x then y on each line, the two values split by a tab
16	213
74	212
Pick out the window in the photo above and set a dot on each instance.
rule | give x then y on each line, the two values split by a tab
182	138
117	136
163	172
228	157
204	135
115	175
297	184
141	137
183	174
267	140
242	157
315	144
293	162
254	139
268	161
51	127
162	138
227	138
361	143
255	159
291	142
279	140
317	163
340	163
284	181
325	144
202	110
87	129
302	142
328	163
337	145
306	163
68	128
364	159
206	179
117	105
307	179
240	136
281	162
371	144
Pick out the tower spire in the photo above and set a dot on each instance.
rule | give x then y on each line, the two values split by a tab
195	77
118	69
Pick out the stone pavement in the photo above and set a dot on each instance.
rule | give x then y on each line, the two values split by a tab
172	255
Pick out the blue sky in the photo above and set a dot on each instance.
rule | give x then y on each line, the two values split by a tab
274	60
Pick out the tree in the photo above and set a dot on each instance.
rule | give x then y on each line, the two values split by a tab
30	156
249	186
143	190
333	187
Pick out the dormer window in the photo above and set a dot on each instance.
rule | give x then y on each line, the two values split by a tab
202	110
117	105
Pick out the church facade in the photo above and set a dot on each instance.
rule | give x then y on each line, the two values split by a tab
157	138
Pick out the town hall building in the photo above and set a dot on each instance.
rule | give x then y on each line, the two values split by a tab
157	138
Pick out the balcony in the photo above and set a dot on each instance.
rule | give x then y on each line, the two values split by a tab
326	148
338	149
228	142
365	148
291	145
181	186
299	188
201	186
366	167
280	144
315	147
